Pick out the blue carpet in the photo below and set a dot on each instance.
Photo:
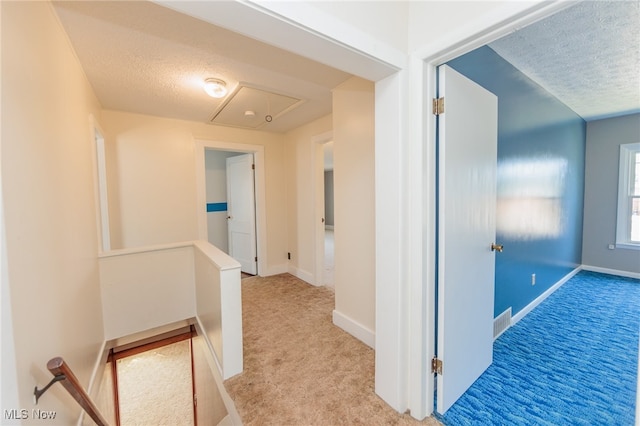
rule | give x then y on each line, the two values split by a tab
573	360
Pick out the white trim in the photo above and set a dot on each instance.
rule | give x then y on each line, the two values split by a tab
611	272
306	31
283	268
305	276
317	161
628	246
357	330
100	184
521	314
260	189
625	176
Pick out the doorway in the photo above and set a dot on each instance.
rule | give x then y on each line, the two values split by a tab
202	147
216	198
329	223
140	377
175	366
324	223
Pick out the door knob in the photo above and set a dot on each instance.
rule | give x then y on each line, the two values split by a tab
228	217
497	247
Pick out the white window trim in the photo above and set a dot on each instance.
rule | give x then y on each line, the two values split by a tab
627	152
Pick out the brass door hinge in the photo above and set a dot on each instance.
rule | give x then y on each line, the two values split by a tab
438	106
436	365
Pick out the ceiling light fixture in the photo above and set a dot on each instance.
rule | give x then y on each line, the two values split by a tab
215	88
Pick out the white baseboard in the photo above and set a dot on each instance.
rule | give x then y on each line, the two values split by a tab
305	276
355	329
611	271
517	317
275	270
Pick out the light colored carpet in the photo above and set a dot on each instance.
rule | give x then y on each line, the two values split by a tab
300	369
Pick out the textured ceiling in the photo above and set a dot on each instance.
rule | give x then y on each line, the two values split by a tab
587	56
144	58
253	108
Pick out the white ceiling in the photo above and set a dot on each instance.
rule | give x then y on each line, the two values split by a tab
144	58
587	56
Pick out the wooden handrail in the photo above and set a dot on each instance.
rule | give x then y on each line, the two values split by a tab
58	367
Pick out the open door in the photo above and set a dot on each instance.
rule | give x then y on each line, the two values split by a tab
241	212
467	141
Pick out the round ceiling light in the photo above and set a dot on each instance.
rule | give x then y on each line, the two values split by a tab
215	88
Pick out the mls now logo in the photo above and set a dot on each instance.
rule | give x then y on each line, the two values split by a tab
16	414
43	415
22	414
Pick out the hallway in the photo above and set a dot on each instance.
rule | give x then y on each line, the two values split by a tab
298	367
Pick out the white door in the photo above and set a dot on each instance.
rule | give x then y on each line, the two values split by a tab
241	209
467	141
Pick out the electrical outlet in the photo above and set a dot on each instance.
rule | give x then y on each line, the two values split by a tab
533	279
611	247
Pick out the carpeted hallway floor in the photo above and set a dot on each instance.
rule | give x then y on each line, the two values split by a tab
300	369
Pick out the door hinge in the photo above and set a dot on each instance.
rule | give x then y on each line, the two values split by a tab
253	167
436	365
438	106
256	258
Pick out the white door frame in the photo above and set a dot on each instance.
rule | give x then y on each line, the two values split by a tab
318	197
423	66
100	184
201	192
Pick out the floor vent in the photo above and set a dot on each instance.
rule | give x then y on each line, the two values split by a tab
501	323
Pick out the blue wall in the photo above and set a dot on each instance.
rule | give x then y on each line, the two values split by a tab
541	153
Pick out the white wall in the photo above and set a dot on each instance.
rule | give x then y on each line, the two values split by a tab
219	305
431	20
354	196
146	288
49	201
154	184
386	21
301	201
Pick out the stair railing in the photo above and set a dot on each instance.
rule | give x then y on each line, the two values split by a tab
63	374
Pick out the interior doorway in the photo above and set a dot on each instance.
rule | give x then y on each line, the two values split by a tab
329	223
217	232
324	226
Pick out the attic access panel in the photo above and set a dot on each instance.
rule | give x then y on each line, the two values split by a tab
266	105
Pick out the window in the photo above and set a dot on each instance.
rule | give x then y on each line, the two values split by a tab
628	227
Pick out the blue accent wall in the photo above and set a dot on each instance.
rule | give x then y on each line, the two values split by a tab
216	207
541	154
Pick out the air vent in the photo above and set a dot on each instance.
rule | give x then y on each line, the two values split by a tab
501	323
253	108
